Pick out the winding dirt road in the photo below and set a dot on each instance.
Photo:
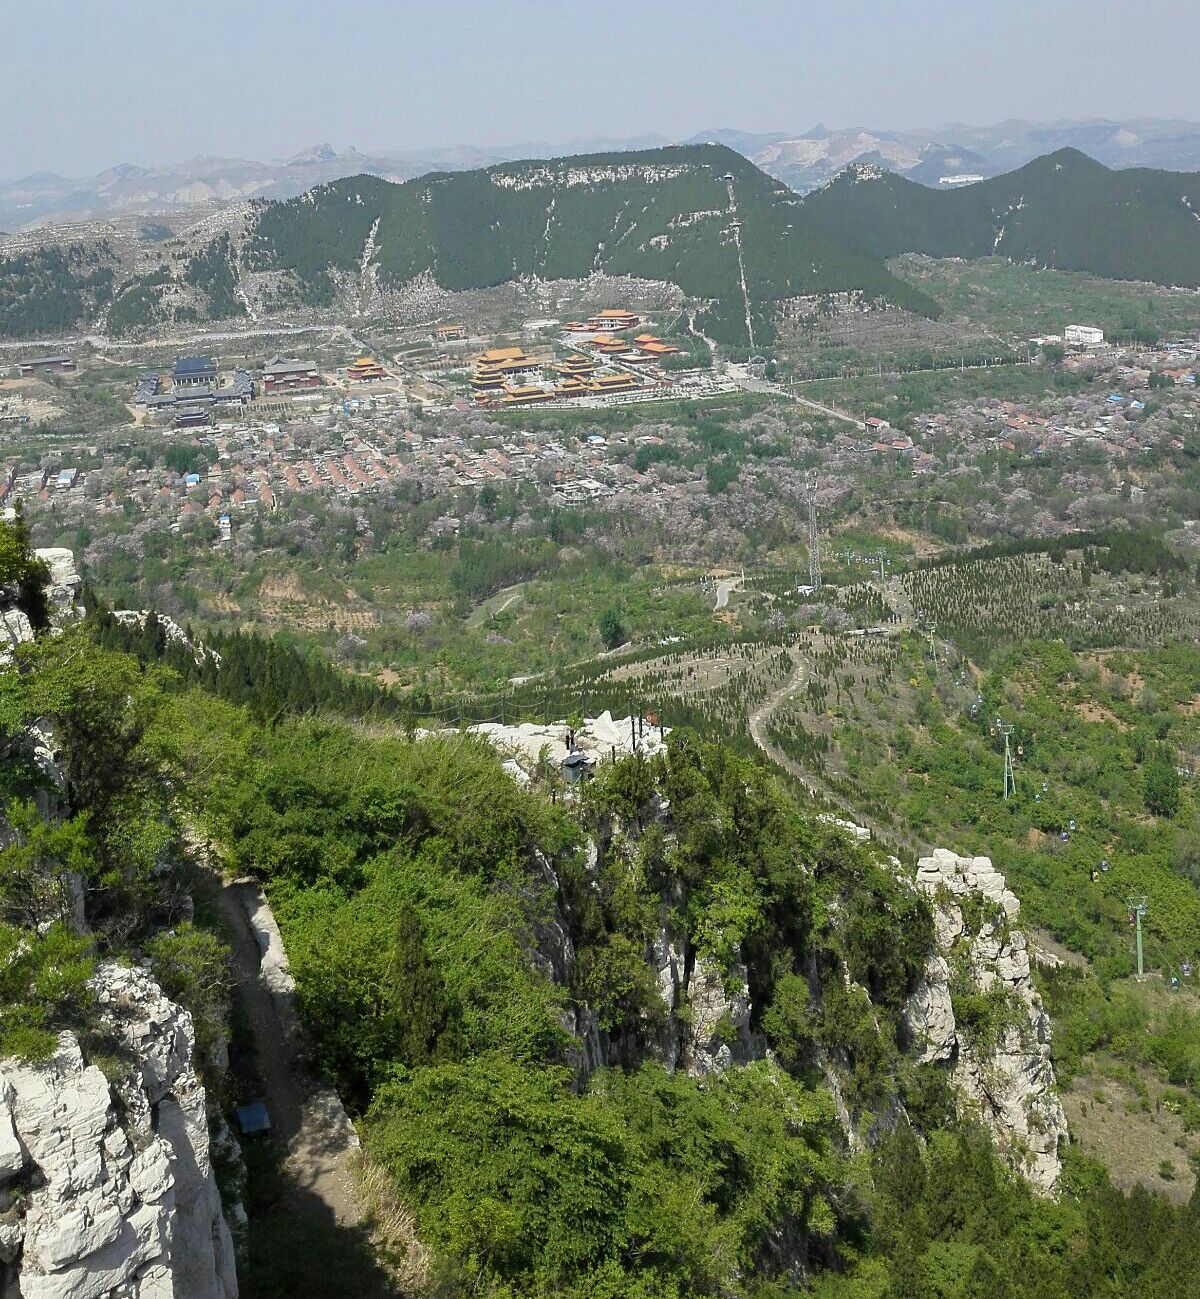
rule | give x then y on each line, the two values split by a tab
758	723
758	729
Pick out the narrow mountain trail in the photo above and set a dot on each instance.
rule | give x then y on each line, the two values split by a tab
701	335
304	1116
366	271
758	724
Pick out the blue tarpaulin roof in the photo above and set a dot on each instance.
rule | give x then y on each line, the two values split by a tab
253	1118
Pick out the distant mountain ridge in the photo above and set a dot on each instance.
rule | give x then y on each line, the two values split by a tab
126	188
809	160
802	161
739	245
697	216
1064	210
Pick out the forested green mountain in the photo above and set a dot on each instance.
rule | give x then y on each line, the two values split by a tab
48	291
701	217
673	215
1064	210
664	214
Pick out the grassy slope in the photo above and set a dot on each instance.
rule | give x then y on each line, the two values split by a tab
1019	302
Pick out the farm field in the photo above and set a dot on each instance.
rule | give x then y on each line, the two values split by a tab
1021	302
861	342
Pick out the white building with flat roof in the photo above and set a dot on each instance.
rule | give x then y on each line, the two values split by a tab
1083	335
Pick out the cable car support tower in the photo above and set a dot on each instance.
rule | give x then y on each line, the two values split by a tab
1010	776
814	540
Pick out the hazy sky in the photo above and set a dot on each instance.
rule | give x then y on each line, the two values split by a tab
88	83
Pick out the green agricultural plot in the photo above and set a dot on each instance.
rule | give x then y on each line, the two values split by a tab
1020	302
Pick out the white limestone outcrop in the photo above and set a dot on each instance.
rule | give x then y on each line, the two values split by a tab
61	593
1009	1083
65	581
109	1193
719	1033
172	631
525	744
15	629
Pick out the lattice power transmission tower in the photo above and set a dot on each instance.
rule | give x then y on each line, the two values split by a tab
814	541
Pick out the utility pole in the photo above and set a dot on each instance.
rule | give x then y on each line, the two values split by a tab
1137	905
1010	777
814	540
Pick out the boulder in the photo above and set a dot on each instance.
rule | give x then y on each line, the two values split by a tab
65	582
719	1036
597	738
12	1156
15	629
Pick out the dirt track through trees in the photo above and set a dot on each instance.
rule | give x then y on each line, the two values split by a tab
304	1115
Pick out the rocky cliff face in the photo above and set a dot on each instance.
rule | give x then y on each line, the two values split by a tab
999	1061
109	1193
707	1023
61	593
64	583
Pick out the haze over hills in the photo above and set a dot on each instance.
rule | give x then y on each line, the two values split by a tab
127	188
802	161
807	161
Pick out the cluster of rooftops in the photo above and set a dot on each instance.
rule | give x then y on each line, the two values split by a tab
498	370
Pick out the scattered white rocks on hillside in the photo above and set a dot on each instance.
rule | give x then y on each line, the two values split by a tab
111	1194
1008	1082
859	832
174	633
597	738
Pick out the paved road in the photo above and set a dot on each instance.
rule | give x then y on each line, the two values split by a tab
304	1115
724	591
748	383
